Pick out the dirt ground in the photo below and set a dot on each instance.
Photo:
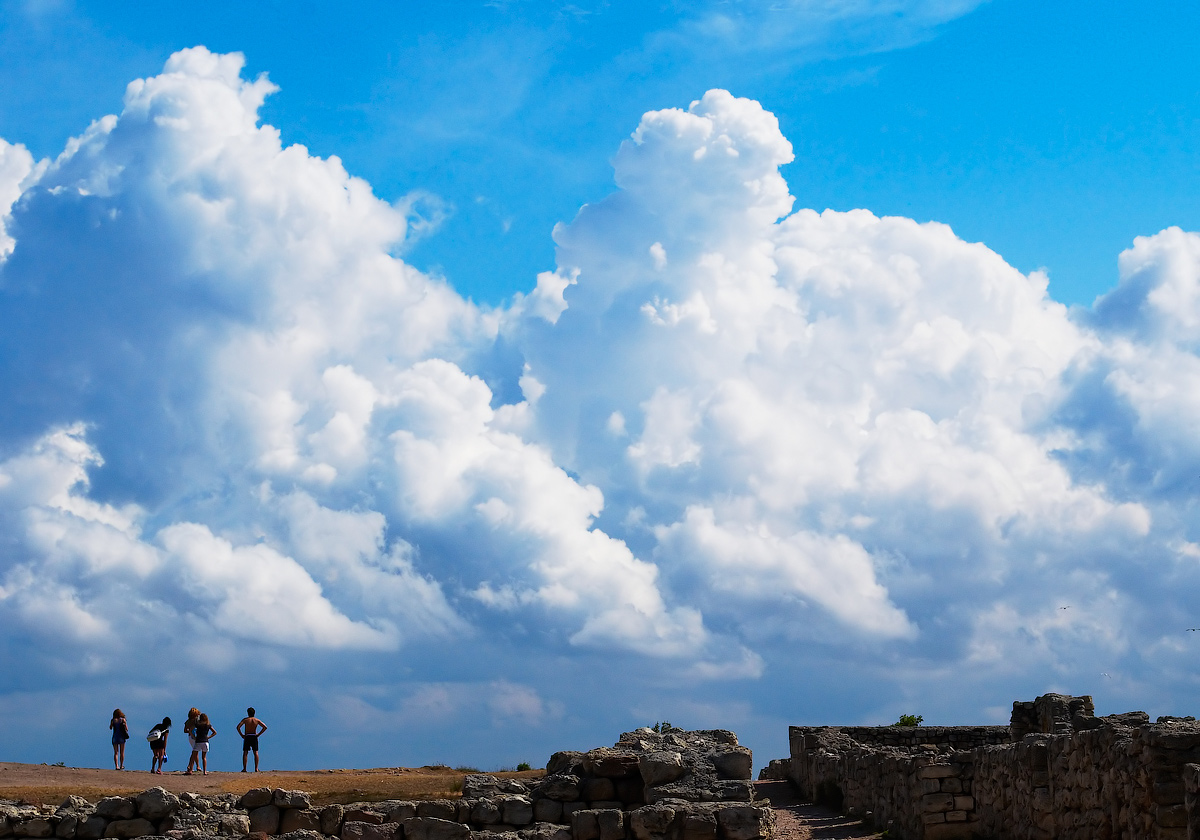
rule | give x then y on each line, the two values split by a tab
41	783
795	820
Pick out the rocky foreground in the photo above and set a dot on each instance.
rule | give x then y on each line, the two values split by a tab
670	785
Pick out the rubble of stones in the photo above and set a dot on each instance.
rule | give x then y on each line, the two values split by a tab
671	785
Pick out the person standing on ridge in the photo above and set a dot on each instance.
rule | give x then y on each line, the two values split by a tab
120	729
189	727
250	728
158	745
203	732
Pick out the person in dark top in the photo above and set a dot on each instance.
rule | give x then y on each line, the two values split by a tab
203	732
158	746
120	734
250	728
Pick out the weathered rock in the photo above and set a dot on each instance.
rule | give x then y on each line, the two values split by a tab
545	831
701	825
299	819
561	787
485	812
256	798
584	826
432	828
331	819
291	799
744	822
233	825
438	809
265	819
660	767
734	763
568	762
357	814
477	785
651	822
116	808
369	831
65	830
92	828
301	834
400	811
155	804
610	763
631	791
547	811
34	827
516	810
125	829
75	805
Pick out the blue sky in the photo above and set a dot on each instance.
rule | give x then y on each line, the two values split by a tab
585	365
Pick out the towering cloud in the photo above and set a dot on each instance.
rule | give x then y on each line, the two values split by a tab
715	428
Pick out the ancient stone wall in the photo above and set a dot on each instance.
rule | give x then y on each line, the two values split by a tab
1071	776
672	785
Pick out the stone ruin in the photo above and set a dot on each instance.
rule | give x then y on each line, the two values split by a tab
1056	772
669	785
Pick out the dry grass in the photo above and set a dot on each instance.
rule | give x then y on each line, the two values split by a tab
41	784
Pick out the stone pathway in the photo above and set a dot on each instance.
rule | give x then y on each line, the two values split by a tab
795	820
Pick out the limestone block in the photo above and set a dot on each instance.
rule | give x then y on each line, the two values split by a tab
432	828
299	819
734	763
302	834
256	798
745	822
547	811
398	812
599	789
561	787
462	811
438	809
651	822
124	829
964	803
700	826
116	808
660	768
156	804
5	825
569	808
951	784
546	831
75	804
517	810
362	815
606	805
352	830
233	825
930	785
65	830
936	771
485	812
331	819
34	827
92	828
956	816
610	763
611	823
567	762
291	799
264	819
584	826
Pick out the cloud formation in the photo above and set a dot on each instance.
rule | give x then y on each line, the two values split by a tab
717	429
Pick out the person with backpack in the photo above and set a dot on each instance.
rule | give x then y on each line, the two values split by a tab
202	732
120	734
158	745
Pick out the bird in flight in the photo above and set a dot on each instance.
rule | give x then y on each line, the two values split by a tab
1066	607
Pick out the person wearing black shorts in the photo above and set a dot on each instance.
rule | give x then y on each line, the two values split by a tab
250	728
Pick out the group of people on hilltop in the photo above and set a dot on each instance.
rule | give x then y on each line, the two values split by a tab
199	731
